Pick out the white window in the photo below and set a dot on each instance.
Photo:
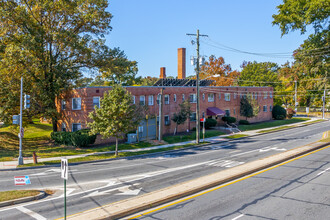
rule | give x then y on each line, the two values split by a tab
256	95
174	98
235	95
63	104
265	95
76	127
210	97
192	98
265	108
167	120
133	99
150	100
76	103
270	94
234	111
167	99
182	97
63	127
227	112
219	95
142	100
270	108
140	129
203	97
227	96
192	116
96	101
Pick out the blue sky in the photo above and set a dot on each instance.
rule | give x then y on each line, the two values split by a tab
150	31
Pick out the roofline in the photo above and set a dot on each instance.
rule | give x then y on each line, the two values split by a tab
95	87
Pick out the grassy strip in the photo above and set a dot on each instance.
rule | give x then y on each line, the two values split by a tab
112	156
271	124
192	136
275	129
236	136
312	122
17	194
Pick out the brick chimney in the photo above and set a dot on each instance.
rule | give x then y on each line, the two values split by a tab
162	73
181	63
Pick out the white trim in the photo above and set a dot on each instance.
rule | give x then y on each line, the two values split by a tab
78	103
98	104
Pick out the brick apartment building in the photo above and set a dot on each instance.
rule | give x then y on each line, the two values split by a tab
214	101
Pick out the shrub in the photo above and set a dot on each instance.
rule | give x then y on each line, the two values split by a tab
244	122
279	113
82	138
209	122
290	113
229	119
79	138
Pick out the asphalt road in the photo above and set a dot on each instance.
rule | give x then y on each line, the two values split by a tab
94	184
296	190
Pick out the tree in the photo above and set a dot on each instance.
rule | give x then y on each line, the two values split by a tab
248	106
52	43
183	114
297	15
116	116
216	69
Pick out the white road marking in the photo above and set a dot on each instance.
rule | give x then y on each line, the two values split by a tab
320	173
31	213
127	191
238	217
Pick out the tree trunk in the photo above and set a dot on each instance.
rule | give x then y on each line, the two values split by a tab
54	122
116	152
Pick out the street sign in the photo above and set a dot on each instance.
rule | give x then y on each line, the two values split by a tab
64	168
15	119
22	180
202	119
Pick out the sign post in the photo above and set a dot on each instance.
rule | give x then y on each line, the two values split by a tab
203	120
64	175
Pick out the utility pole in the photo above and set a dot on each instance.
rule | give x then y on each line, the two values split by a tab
160	115
295	95
197	85
323	98
20	157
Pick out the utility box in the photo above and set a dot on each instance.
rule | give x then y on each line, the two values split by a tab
131	138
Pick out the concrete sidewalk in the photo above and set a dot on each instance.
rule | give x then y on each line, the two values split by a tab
217	139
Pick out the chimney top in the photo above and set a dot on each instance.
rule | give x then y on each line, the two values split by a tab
162	73
181	63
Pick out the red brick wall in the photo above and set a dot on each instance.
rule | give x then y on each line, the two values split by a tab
69	116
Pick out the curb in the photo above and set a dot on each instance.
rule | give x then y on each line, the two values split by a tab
130	206
193	146
22	200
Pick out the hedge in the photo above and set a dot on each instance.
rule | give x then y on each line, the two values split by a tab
79	138
229	119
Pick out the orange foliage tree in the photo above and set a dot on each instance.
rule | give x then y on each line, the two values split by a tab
216	69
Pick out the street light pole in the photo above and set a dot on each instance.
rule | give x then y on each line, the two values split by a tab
20	157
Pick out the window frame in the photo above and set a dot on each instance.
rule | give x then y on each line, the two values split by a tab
78	104
75	124
167	102
227	112
174	97
142	102
98	105
227	97
150	99
208	97
63	104
167	122
193	98
264	108
191	118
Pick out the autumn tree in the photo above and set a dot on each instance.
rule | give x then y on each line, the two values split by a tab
116	116
216	69
182	115
52	43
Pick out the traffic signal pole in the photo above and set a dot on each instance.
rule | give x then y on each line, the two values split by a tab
20	157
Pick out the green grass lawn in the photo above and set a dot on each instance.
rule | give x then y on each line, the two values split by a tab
16	194
192	136
234	136
37	138
271	124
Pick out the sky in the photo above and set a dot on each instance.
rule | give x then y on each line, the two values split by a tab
151	31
